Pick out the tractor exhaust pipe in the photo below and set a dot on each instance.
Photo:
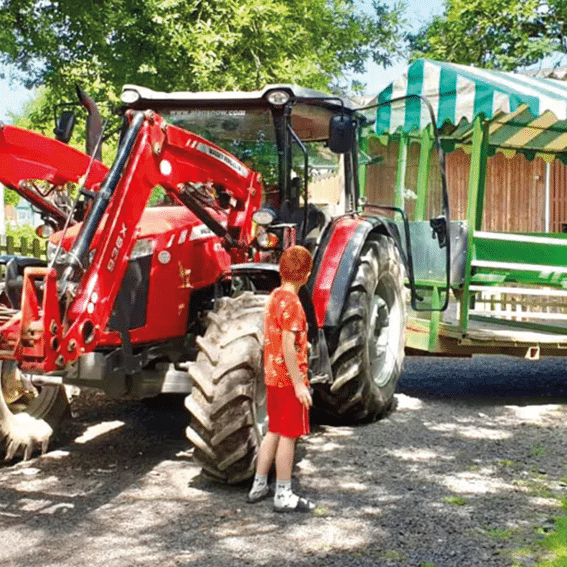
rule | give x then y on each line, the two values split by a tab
94	124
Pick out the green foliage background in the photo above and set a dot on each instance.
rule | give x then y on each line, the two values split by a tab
499	34
190	45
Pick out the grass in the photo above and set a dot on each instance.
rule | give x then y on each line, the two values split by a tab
538	451
556	543
534	487
551	551
509	463
455	500
502	533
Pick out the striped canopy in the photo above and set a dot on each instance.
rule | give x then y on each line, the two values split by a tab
525	112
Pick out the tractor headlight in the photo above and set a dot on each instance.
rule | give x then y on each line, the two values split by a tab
143	247
267	240
263	217
278	98
52	250
129	96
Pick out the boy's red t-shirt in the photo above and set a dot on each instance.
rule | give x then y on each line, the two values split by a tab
284	312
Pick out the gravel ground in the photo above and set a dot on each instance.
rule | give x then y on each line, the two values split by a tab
467	471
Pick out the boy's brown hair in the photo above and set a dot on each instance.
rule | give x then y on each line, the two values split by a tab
296	262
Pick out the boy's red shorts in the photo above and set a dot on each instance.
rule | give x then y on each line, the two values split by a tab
286	414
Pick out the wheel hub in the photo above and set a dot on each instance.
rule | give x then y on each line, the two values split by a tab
14	387
381	336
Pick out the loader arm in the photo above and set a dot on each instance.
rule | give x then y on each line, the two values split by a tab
27	157
63	315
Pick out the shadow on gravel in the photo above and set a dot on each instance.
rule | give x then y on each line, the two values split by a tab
107	447
452	485
491	379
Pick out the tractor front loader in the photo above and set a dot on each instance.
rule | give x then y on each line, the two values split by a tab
43	171
92	316
141	300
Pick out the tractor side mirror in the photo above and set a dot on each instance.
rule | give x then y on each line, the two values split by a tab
439	230
341	133
65	126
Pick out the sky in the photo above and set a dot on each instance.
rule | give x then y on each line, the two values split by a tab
13	97
418	13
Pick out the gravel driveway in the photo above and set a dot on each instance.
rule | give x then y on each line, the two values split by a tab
467	471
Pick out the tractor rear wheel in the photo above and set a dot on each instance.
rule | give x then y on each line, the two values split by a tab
228	399
45	403
368	350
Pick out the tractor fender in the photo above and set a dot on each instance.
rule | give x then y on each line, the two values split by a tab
335	263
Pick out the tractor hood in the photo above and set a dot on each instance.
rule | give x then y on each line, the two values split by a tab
155	221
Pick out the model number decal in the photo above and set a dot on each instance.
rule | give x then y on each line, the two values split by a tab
234	164
201	231
117	247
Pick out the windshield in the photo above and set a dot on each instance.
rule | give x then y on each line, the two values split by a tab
247	134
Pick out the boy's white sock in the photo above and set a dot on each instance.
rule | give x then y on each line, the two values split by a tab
284	496
259	485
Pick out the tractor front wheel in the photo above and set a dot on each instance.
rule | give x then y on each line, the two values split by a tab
28	415
367	352
228	399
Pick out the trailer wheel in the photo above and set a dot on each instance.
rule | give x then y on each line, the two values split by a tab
368	350
228	399
45	408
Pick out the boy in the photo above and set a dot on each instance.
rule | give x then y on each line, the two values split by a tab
287	385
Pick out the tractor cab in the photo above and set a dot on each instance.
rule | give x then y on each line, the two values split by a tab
304	144
301	141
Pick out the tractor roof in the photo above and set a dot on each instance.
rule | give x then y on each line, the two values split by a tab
141	97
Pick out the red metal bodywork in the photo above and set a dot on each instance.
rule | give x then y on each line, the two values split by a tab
26	157
49	332
186	256
343	230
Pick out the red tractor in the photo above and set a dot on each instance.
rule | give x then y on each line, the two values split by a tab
139	301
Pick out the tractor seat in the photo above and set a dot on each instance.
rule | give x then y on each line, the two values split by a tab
315	222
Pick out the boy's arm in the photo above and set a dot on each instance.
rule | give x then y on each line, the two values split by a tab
290	358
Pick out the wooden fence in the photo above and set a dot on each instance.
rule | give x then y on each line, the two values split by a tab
23	247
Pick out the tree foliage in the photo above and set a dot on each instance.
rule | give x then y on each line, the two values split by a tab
500	34
11	197
192	44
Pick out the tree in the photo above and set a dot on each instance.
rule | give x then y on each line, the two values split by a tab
499	34
192	44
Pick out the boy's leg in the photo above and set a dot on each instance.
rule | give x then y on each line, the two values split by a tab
266	455
285	500
284	457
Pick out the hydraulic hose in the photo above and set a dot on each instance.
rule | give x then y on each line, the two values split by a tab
84	239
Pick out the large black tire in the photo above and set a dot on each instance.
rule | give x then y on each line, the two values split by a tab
48	403
228	399
367	352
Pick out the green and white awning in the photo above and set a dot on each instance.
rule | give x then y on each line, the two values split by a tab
527	113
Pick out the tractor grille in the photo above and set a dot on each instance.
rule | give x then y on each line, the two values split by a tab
132	301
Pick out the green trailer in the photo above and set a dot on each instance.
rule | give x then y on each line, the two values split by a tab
501	285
